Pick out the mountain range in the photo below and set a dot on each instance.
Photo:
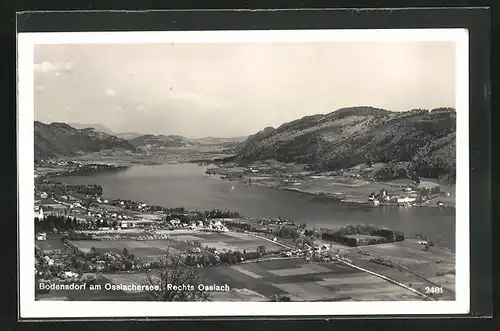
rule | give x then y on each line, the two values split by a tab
141	139
101	128
96	126
150	140
58	139
61	139
158	141
416	142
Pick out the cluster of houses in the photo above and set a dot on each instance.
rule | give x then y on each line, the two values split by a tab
211	225
322	253
41	195
121	225
43	207
140	206
409	197
308	250
278	221
100	215
101	200
56	163
317	248
252	170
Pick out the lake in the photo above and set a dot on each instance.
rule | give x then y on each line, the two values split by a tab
187	185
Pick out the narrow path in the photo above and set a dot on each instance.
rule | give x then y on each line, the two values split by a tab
277	258
390	280
267	239
405	268
361	269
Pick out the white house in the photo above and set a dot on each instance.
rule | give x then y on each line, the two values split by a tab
406	200
175	222
49	260
39	212
70	274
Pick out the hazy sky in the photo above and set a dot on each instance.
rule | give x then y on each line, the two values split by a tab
233	89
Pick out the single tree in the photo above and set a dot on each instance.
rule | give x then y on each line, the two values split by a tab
261	249
171	280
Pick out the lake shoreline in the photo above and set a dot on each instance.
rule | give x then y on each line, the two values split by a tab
197	191
342	196
327	197
335	197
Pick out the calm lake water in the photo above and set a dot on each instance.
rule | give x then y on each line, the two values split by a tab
187	185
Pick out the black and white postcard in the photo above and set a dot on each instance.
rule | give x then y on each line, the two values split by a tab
219	173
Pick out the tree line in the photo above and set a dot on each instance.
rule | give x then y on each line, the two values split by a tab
62	223
201	215
63	188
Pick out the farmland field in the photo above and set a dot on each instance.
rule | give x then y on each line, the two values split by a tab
302	281
181	241
226	240
144	250
50	245
295	278
437	265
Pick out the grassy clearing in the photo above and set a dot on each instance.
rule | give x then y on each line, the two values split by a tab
50	245
144	250
226	241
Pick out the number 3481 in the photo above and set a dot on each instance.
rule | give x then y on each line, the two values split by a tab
433	290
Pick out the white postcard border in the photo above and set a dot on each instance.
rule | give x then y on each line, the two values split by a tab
29	308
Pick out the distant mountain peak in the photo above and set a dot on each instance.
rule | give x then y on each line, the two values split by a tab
357	111
96	126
